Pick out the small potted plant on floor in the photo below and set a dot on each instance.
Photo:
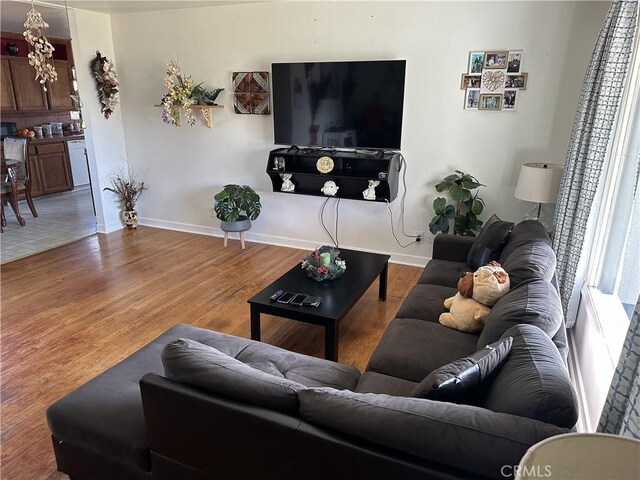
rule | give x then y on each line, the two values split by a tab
127	191
463	189
236	206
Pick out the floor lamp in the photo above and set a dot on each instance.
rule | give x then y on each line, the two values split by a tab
539	183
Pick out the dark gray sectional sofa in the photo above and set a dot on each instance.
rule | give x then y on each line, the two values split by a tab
217	406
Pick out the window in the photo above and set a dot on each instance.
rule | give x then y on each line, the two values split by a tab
612	282
615	265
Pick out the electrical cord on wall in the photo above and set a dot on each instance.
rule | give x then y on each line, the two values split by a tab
402	164
324	204
337	221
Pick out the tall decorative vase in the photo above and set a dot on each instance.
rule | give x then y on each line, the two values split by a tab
130	218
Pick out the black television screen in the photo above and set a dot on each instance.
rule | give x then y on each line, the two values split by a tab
339	104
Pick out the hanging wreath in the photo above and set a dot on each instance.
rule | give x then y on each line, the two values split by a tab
106	82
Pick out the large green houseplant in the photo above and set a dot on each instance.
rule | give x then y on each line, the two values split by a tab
237	203
463	189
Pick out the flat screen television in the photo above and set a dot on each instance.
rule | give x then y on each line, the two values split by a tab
339	104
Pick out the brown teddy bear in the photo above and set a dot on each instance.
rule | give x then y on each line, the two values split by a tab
477	292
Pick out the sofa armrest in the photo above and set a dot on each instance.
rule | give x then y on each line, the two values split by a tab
453	248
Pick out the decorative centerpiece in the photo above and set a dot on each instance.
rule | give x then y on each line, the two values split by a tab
323	263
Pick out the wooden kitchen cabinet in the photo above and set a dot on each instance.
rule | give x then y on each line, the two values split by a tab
29	94
21	92
59	92
54	169
7	99
34	174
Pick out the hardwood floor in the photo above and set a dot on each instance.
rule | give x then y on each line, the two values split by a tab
72	312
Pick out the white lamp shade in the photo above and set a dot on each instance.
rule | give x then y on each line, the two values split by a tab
539	182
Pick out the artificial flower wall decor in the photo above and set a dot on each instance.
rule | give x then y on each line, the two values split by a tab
179	94
40	50
106	78
183	94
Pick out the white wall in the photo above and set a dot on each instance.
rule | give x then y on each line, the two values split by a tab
105	143
185	166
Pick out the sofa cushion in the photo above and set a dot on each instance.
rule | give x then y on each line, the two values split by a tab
425	302
535	302
534	260
411	348
457	381
444	273
202	366
489	242
521	234
457	435
533	382
374	382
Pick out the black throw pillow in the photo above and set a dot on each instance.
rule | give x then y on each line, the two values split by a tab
489	242
455	381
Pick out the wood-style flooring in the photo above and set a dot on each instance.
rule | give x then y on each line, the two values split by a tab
72	312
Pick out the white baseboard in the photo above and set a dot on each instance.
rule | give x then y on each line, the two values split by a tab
109	227
412	260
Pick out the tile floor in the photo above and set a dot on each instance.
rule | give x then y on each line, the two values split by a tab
62	218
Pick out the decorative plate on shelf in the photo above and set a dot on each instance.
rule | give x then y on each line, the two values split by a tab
324	164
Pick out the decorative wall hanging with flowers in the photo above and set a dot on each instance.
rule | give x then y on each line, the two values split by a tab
183	94
179	95
106	78
40	50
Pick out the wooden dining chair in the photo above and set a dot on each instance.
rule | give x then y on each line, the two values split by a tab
16	149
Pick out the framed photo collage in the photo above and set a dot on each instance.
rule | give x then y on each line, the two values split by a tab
494	80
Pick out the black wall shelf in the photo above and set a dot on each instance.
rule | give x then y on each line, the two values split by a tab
351	172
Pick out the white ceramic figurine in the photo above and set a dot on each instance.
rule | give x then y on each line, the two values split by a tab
287	184
330	188
370	192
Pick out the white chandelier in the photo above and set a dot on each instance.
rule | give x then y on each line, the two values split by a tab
41	50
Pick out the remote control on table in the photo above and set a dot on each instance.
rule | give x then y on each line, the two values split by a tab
276	295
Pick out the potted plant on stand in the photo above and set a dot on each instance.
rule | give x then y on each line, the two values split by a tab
236	206
127	191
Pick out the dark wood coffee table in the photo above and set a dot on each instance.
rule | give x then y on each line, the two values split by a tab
338	296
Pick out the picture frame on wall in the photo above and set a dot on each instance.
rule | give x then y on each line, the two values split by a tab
496	59
516	81
470	81
490	101
476	63
472	99
509	100
514	61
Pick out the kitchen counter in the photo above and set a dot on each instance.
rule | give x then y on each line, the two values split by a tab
56	138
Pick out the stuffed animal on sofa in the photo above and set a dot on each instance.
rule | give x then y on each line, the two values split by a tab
477	292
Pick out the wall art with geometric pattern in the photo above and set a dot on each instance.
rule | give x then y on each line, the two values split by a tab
251	92
494	80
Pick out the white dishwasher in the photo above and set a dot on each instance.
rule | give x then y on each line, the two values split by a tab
78	160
